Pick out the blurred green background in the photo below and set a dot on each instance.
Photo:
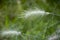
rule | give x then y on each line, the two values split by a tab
39	27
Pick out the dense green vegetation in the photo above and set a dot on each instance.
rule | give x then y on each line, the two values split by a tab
33	27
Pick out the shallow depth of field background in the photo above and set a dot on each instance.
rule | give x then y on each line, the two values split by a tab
29	19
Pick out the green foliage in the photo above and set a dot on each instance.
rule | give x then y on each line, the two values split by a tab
34	27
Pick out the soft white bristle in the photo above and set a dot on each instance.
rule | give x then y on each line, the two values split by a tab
10	33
